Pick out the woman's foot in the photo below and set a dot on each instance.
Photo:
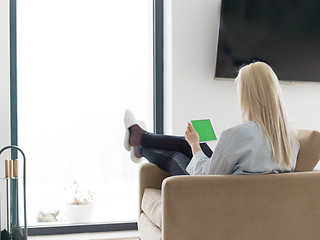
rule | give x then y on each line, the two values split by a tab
135	154
129	120
136	132
137	151
133	134
133	131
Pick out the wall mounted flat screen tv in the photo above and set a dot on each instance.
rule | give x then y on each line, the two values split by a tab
283	33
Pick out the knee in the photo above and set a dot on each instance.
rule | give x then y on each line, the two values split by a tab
181	159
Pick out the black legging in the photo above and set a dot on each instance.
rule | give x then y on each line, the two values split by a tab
170	153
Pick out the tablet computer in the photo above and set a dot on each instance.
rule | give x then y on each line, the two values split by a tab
204	129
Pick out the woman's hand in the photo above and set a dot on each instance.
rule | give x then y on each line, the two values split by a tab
192	138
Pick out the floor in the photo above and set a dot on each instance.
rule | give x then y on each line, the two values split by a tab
121	235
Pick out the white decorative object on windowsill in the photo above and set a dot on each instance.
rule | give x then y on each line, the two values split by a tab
80	213
80	205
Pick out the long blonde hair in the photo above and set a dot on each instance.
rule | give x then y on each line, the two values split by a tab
261	101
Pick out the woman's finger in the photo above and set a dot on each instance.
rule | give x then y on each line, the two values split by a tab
188	128
191	127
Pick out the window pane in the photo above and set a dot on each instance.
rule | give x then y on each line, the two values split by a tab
81	63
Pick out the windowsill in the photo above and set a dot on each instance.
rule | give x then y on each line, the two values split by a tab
82	228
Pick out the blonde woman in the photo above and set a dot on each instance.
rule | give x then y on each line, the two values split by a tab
264	143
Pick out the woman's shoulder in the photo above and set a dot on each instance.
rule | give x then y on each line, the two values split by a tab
245	127
246	133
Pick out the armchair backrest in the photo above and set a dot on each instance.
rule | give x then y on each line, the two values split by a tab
309	153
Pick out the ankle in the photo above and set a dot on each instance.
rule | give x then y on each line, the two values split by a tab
136	133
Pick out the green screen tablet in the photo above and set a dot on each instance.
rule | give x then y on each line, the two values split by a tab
204	129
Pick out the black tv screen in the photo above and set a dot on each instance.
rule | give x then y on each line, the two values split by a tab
283	33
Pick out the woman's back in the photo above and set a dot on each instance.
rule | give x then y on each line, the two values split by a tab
242	149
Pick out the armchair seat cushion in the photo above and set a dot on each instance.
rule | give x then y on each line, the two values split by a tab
151	205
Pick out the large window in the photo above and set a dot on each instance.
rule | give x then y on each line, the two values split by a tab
81	63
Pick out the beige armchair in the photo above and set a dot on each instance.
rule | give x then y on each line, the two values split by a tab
274	206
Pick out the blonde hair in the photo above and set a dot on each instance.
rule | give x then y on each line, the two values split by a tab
261	101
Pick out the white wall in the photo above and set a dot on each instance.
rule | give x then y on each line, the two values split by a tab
4	93
191	33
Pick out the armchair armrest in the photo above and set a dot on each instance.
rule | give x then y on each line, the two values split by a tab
151	176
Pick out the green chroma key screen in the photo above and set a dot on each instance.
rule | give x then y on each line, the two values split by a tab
204	129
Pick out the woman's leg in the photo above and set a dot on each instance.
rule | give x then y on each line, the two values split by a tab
166	142
171	143
173	162
170	153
